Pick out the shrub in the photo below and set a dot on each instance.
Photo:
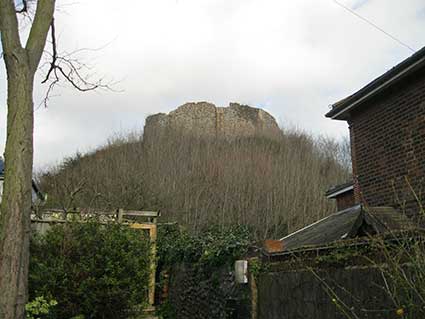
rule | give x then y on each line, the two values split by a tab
212	248
39	308
98	271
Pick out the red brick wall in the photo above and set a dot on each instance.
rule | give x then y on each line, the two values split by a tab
345	200
356	186
388	146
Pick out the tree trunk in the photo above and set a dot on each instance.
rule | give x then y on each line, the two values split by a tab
15	220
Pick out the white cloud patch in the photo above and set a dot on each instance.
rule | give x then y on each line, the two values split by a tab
292	58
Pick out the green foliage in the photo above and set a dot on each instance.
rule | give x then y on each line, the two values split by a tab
257	267
166	311
204	256
342	256
212	248
98	271
39	308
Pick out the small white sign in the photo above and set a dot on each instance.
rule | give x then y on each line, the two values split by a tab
241	271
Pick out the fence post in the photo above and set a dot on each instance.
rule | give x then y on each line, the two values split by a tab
254	295
120	214
153	237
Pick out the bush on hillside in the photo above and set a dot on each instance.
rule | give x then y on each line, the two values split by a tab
99	271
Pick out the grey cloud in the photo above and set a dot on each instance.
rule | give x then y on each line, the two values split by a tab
292	58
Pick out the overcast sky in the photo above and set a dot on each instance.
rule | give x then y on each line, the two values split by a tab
291	58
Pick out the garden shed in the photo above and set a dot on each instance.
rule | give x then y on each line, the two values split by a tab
332	264
353	222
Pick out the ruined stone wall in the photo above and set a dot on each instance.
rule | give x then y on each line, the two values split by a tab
205	119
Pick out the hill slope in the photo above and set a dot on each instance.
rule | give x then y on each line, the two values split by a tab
274	184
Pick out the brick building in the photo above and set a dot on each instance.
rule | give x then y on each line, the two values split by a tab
343	194
387	131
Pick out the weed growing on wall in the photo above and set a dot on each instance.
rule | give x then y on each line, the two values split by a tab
403	275
399	258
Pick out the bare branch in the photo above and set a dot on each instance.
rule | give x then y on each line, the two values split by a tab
50	88
54	54
69	68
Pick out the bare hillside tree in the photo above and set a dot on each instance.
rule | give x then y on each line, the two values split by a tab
275	186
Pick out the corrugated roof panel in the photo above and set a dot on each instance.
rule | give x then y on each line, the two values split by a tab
333	228
345	224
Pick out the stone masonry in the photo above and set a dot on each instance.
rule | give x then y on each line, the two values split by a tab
205	119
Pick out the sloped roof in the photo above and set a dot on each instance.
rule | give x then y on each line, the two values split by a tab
347	224
336	190
329	229
340	110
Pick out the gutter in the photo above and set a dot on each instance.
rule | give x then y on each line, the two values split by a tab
336	114
340	244
339	192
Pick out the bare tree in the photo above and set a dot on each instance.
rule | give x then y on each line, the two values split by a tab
21	65
22	62
274	185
